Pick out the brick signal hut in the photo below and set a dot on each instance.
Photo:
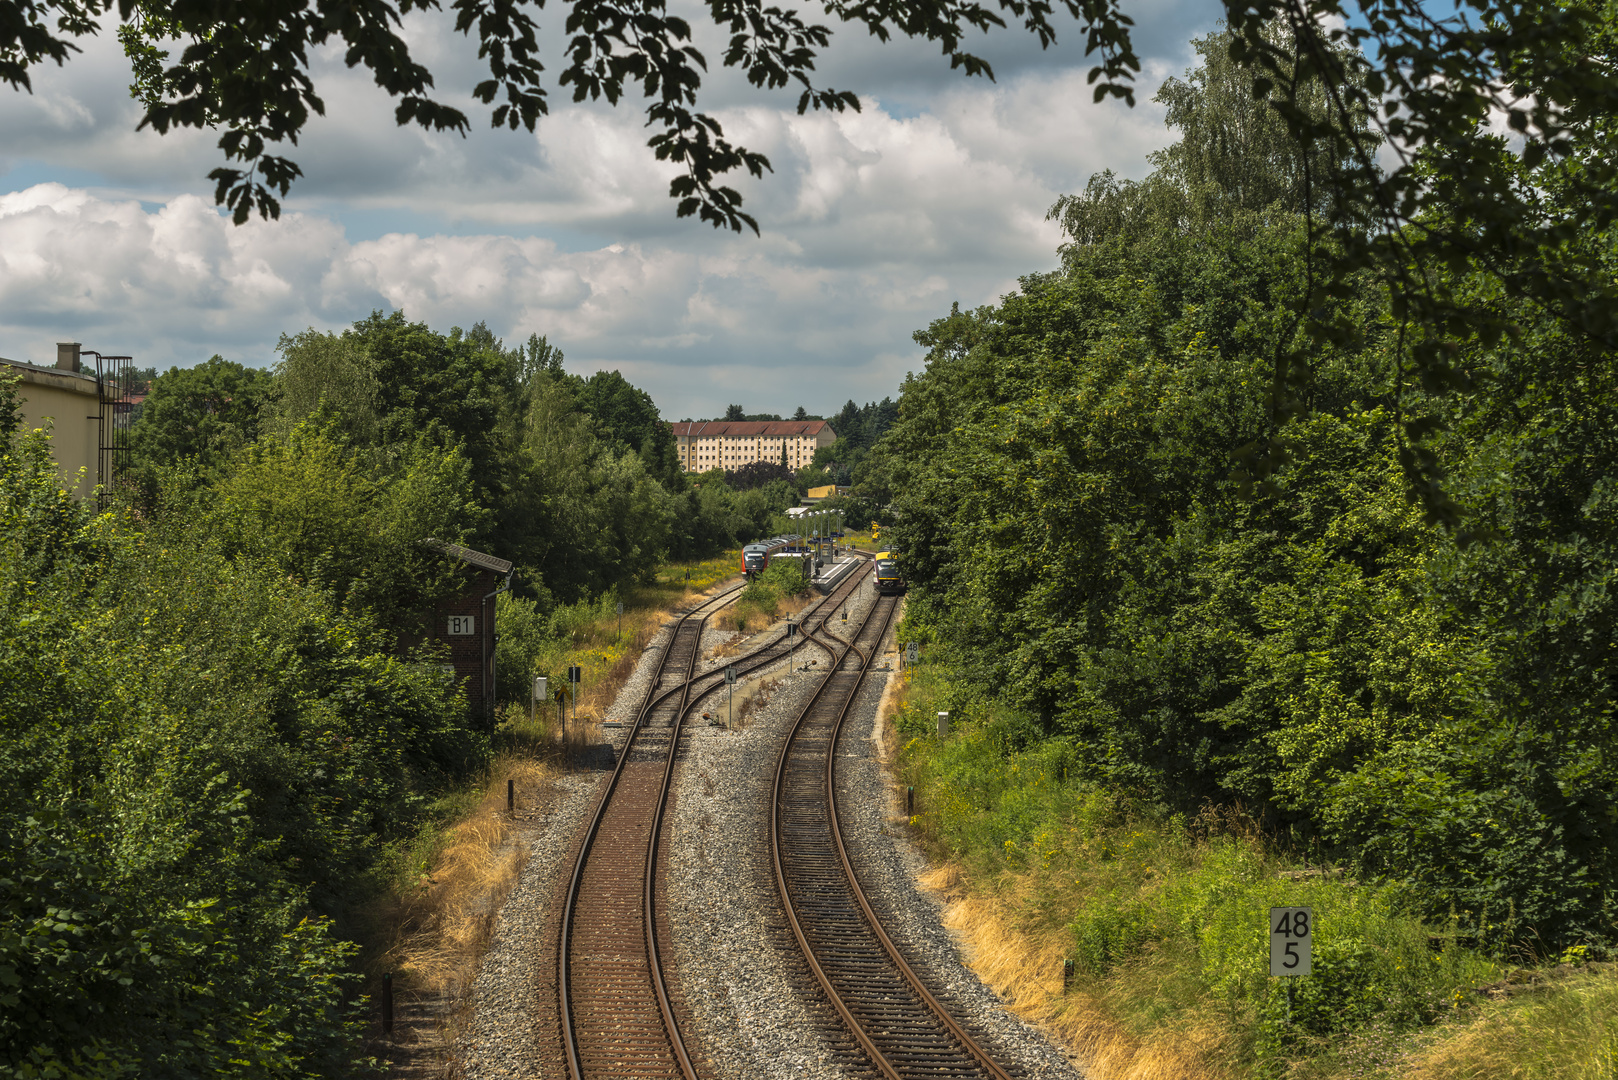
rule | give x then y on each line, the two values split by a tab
730	444
466	623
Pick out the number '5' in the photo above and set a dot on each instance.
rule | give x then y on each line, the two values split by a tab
1292	955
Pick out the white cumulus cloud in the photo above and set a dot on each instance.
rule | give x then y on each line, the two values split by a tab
873	222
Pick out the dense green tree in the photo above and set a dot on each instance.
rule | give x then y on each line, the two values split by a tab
628	420
1315	653
758	473
330	374
203	758
1235	159
861	427
858	429
598	517
308	505
451	389
204	413
1312	649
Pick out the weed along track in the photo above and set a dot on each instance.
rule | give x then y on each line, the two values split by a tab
902	1029
616	1010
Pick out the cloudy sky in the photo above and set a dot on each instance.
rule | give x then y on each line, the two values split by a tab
873	223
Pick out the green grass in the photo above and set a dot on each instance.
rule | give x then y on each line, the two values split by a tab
1566	1031
704	573
591	634
1165	916
760	602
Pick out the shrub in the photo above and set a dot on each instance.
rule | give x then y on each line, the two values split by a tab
786	576
203	758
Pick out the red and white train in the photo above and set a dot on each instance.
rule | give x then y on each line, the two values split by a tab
756	557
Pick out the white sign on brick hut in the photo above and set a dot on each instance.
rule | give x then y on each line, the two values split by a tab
464	621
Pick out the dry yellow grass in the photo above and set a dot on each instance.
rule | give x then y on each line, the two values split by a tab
1026	971
745	618
438	929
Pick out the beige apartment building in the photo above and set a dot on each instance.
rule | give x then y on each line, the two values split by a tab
730	444
82	415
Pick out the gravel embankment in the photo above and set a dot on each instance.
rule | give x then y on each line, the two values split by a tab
736	964
736	959
500	1039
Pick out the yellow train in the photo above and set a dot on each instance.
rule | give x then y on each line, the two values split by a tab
888	581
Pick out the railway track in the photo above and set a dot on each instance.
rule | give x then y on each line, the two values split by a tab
615	1009
903	1031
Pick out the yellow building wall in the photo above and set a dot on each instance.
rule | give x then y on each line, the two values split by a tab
68	402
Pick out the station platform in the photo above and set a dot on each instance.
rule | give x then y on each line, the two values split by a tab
833	572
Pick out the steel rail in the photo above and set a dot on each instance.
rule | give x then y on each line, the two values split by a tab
649	875
654	839
564	966
868	914
654	700
762	656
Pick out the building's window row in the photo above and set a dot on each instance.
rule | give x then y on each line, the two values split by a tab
704	446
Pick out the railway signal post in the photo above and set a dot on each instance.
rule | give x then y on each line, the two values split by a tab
730	696
575	675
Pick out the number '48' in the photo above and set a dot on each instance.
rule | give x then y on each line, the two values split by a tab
1293	924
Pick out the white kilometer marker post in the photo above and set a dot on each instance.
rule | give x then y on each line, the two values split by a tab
1292	938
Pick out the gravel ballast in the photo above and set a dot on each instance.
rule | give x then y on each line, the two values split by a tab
741	979
737	961
500	1039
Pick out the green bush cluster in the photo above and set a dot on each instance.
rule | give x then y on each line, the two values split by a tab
204	759
531	642
760	600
